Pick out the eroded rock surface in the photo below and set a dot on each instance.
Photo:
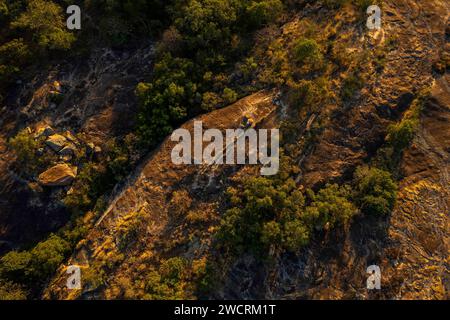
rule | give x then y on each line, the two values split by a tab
58	176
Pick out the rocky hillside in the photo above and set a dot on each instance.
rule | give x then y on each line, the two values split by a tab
96	103
360	106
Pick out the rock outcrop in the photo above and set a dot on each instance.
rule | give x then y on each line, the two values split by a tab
58	176
411	247
56	142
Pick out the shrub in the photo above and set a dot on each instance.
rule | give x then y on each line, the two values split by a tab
180	203
45	20
229	96
307	52
296	234
330	207
167	283
172	270
129	228
13	55
376	192
267	212
25	148
260	13
35	265
400	135
47	256
11	291
210	101
310	95
14	266
86	188
351	86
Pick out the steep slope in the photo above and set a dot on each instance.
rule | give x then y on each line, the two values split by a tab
149	193
98	103
411	246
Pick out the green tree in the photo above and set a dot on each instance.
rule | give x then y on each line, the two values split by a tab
166	100
330	207
11	291
26	147
376	191
266	212
46	22
263	12
401	135
13	55
47	256
307	52
14	266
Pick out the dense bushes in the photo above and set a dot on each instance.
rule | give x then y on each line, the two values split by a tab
168	282
46	22
35	265
201	46
265	213
273	213
166	100
31	30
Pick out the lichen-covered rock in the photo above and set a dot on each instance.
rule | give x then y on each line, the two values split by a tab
44	131
56	142
68	150
57	176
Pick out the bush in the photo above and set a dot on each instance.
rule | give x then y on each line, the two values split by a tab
167	283
400	135
129	228
14	266
309	95
210	101
180	203
35	265
11	291
28	160
229	96
376	192
47	256
25	148
86	188
266	213
13	55
45	19
95	178
263	12
351	86
307	52
330	207
296	234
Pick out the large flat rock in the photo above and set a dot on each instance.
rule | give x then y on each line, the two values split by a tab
57	176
